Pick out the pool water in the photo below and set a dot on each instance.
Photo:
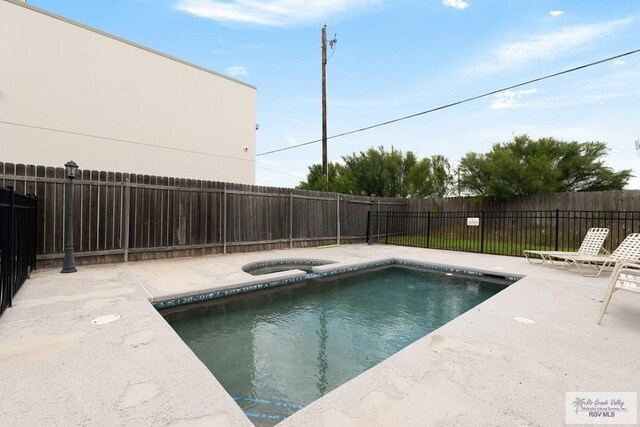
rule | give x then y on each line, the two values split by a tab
276	351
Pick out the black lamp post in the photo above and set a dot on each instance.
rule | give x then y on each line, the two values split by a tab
69	265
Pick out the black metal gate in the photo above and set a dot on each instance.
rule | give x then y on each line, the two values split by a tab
18	232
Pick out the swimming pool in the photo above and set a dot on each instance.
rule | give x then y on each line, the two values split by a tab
278	350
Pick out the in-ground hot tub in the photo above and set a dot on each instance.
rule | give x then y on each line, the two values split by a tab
276	265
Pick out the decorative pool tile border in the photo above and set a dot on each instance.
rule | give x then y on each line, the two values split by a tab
449	269
190	299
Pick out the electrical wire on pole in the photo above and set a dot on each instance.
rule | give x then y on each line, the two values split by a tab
453	104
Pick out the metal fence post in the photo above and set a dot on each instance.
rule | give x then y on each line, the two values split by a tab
386	231
34	227
369	231
127	223
428	229
557	226
12	261
482	232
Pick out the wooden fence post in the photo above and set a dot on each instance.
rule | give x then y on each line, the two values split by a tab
369	229
291	220
378	221
224	220
338	218
126	222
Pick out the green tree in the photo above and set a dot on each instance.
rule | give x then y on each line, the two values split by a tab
337	182
377	172
525	166
429	177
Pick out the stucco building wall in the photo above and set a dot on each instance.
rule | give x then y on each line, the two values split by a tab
71	92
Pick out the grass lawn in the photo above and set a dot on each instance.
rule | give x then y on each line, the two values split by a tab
470	245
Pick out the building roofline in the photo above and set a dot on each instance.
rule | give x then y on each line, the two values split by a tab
125	41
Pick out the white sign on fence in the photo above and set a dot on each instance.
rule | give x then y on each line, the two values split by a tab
473	222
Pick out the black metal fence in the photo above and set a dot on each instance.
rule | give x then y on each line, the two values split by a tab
18	231
499	232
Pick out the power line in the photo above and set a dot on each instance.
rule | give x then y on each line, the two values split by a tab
145	144
126	141
442	107
281	173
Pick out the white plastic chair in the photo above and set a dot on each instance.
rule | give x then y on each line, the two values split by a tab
625	277
627	251
591	245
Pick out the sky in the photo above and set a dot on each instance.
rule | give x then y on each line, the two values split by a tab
396	58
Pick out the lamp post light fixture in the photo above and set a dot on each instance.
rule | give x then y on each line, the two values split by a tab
69	266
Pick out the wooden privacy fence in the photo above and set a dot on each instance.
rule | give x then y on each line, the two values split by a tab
120	216
613	200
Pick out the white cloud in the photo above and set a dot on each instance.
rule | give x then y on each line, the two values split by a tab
618	62
457	4
510	99
295	121
269	12
556	13
601	98
237	71
547	46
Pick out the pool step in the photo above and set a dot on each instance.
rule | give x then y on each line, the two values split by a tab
266	410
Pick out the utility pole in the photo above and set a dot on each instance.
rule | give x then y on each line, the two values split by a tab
325	167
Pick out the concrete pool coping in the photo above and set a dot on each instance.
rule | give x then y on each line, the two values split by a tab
283	278
483	368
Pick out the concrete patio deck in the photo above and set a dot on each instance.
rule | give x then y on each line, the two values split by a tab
483	368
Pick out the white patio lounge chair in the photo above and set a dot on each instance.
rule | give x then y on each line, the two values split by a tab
625	277
627	251
591	245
